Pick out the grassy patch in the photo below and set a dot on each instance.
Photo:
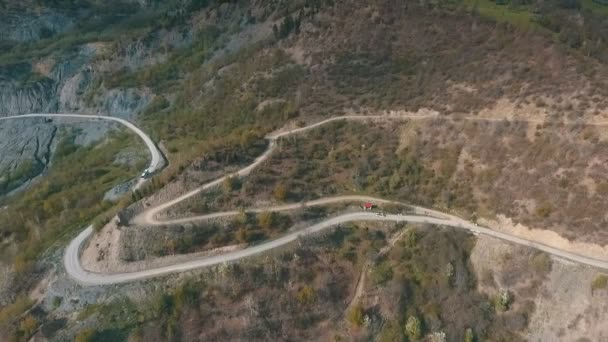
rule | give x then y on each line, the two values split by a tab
518	16
12	312
161	77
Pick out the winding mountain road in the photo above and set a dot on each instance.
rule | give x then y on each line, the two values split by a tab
149	217
156	158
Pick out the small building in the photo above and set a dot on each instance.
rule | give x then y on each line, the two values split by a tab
368	206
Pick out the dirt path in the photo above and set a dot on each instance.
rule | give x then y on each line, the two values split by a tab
422	215
360	286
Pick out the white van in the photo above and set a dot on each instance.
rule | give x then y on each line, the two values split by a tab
146	174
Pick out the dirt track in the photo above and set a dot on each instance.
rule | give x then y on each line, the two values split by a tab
422	215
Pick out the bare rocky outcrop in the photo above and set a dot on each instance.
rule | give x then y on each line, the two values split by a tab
26	149
32	25
36	97
28	146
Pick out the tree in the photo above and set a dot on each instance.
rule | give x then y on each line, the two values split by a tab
600	282
468	335
57	301
413	328
85	336
355	316
280	192
502	301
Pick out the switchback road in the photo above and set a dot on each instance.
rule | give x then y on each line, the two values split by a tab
149	217
421	215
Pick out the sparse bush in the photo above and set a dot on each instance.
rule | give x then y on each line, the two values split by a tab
544	210
382	273
13	311
27	326
391	332
267	220
541	262
410	238
306	295
243	217
230	184
280	192
502	301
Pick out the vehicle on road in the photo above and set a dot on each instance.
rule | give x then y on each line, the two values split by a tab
368	206
146	174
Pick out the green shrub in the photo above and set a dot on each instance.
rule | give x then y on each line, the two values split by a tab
27	326
57	301
230	184
87	335
356	315
391	332
502	301
280	192
382	273
13	311
544	210
469	336
413	328
600	282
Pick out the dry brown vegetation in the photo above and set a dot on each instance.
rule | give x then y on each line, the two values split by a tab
378	54
392	54
303	292
545	176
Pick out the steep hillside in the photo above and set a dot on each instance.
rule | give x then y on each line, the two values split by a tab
207	79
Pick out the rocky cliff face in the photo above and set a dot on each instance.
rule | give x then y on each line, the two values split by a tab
26	150
28	146
65	80
60	60
51	86
24	26
36	97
